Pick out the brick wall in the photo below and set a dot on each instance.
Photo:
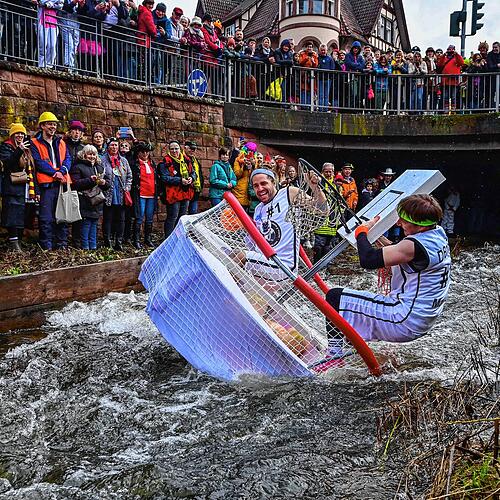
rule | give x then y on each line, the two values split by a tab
157	116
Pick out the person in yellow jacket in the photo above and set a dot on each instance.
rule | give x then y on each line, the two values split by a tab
243	166
325	237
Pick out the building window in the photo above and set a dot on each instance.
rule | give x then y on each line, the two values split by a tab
230	30
317	7
388	32
303	7
289	8
385	29
332	8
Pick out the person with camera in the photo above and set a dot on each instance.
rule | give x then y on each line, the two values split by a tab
15	157
450	64
243	166
90	180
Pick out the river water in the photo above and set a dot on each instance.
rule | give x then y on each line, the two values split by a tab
102	407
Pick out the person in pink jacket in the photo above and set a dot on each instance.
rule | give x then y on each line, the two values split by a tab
48	32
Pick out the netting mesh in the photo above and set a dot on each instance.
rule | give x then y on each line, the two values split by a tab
227	317
312	207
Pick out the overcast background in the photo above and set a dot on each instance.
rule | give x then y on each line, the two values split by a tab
428	22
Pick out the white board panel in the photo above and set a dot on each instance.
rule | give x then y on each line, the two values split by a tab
385	204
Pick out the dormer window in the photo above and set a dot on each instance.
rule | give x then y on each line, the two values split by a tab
332	8
317	7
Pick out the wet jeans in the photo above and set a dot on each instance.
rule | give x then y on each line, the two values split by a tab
51	233
174	212
89	233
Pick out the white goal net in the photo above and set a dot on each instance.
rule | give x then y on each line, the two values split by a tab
228	318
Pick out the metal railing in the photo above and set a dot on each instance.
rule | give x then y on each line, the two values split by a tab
90	47
323	90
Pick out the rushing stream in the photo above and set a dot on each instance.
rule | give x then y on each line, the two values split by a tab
102	407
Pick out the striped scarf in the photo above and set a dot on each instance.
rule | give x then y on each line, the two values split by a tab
26	161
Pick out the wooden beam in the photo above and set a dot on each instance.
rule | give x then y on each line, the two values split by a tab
32	293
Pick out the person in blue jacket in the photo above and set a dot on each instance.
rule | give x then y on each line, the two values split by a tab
325	79
222	177
355	62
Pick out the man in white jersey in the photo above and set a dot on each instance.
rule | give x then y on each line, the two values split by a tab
420	281
269	217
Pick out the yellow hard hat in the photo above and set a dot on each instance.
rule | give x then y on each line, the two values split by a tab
47	116
15	128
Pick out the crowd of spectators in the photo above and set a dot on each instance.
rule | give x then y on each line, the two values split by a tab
363	79
117	181
119	184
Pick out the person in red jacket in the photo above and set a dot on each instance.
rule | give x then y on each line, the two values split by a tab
450	64
146	30
212	53
145	23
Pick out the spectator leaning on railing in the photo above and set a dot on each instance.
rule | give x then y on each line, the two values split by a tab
417	68
307	59
174	29
450	64
355	62
48	31
195	38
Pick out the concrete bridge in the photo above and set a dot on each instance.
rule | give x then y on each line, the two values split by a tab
464	147
304	130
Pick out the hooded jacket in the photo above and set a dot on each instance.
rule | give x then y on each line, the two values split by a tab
354	62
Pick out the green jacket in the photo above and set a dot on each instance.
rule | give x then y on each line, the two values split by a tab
221	174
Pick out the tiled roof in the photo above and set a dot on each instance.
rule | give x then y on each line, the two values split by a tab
357	17
217	8
239	9
348	22
367	13
265	20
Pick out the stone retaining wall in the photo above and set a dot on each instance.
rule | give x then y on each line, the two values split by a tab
155	115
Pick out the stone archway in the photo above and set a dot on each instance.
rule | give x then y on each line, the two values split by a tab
317	42
332	45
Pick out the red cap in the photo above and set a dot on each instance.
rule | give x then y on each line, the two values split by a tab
178	11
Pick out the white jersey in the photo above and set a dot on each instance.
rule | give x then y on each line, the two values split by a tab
418	292
279	233
423	286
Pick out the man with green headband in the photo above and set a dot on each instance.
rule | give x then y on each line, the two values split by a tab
420	278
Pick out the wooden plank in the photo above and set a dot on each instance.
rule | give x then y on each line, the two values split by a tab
63	285
34	316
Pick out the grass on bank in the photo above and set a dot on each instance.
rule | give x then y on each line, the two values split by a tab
448	437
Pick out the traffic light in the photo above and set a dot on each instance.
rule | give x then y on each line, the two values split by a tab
476	15
456	18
